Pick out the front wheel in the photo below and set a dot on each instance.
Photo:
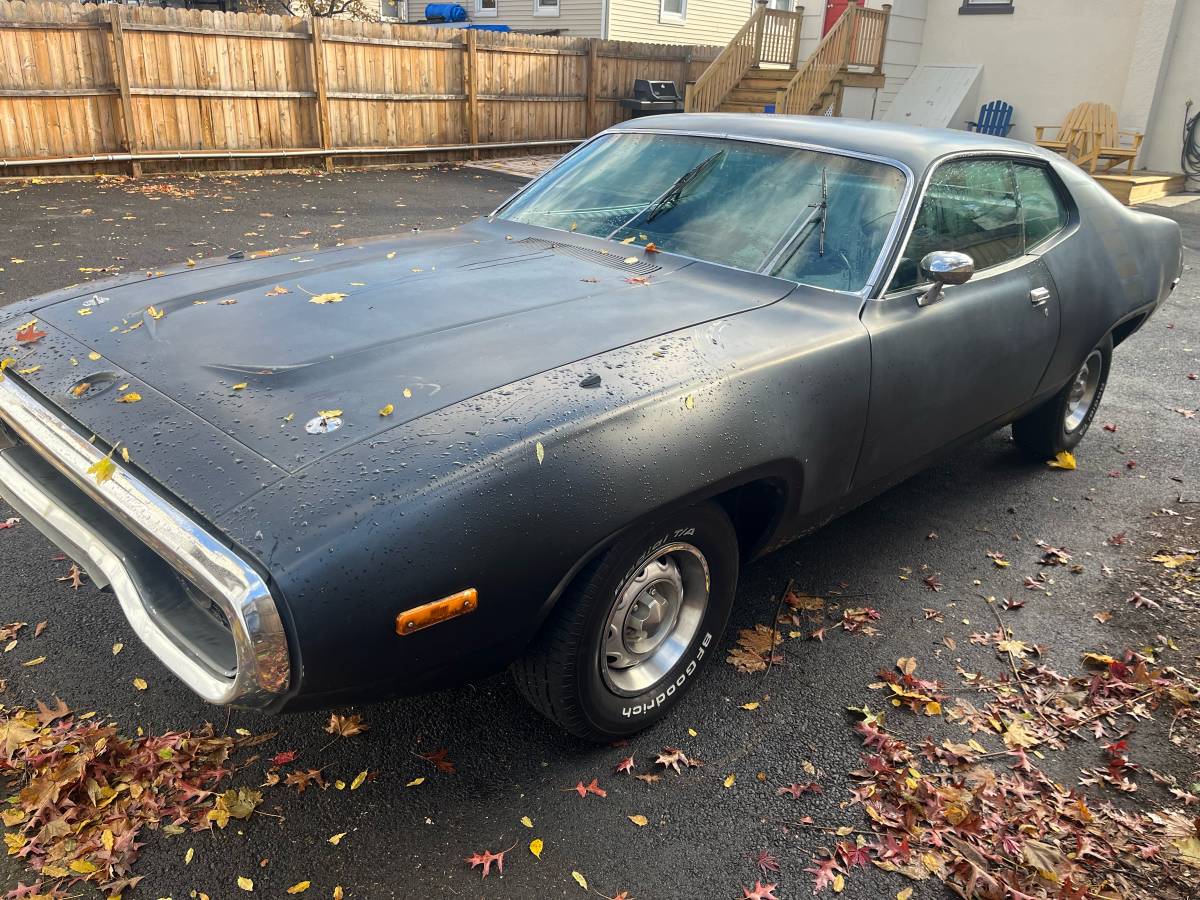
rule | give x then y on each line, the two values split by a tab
632	631
1060	423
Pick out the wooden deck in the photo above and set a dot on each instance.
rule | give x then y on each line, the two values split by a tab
1141	187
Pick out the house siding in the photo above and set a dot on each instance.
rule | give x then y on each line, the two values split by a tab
576	18
707	21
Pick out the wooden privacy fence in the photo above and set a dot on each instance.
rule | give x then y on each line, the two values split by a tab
114	88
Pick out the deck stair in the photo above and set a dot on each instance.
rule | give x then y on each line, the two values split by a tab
761	71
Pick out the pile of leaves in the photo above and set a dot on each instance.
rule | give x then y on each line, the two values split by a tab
85	794
995	826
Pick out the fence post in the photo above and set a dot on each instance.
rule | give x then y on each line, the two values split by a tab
593	74
887	18
321	88
797	27
760	30
471	74
121	66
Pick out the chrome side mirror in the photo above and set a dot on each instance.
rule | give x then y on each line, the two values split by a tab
944	267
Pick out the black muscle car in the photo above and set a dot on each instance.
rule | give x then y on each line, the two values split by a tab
551	436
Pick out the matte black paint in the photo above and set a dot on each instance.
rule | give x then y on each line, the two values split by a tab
709	378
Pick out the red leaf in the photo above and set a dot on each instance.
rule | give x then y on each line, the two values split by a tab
933	582
625	765
29	334
766	862
283	757
594	788
486	859
761	892
439	759
823	873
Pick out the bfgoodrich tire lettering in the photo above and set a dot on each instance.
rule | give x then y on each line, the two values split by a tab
586	680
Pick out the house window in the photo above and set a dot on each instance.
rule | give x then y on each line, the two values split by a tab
672	10
977	7
485	9
545	7
391	10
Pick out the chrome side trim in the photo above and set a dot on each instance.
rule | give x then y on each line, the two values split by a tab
263	664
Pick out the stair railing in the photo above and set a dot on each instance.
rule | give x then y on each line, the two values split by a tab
856	39
769	35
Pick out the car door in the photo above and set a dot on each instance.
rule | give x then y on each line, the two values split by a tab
942	371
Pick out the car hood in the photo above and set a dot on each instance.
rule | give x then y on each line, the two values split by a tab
373	334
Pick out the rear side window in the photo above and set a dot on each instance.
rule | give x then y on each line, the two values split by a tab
1041	204
970	206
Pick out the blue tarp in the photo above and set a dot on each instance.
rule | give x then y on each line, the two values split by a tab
447	12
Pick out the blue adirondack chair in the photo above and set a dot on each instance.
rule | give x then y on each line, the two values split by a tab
994	118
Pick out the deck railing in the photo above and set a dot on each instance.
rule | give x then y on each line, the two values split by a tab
769	36
856	39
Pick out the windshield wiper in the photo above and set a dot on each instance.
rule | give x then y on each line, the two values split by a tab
672	195
798	232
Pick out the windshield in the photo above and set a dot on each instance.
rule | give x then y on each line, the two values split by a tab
804	215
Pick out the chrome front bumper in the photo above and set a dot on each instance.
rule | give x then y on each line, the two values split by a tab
131	538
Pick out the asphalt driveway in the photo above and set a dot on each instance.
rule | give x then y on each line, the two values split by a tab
1141	478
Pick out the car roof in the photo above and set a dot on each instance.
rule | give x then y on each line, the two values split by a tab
912	145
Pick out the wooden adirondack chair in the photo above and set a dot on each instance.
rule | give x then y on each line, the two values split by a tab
1108	143
994	118
1089	134
1071	132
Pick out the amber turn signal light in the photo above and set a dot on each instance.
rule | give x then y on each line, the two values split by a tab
438	611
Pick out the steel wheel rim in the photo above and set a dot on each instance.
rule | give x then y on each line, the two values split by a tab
1083	390
654	617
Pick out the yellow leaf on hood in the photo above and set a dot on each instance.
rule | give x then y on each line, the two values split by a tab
630	260
392	255
580	880
1062	460
156	313
246	884
299	887
103	469
93	356
131	397
540	451
535	847
331	297
387	410
191	262
240	386
125	454
329	413
407	393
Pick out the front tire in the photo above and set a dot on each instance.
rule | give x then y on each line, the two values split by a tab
1060	423
632	631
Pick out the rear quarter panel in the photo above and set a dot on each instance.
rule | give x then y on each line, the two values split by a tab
1114	263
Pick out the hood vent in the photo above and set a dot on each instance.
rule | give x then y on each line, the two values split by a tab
612	259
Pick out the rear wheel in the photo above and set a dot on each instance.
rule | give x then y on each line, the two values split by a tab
1060	423
632	631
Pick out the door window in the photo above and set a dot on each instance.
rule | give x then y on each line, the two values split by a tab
1041	204
970	206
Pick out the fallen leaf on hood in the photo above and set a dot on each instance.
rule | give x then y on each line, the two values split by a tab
93	356
155	313
407	393
630	260
190	262
392	255
131	397
540	451
329	414
331	297
240	386
28	370
387	410
273	292
28	333
1064	459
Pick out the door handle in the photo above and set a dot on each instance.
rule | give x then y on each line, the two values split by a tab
1039	296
